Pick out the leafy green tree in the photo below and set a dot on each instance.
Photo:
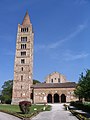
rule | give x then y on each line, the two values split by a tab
83	86
36	81
6	94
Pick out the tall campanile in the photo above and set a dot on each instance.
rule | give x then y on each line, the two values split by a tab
23	67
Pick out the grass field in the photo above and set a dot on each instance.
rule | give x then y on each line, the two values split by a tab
14	110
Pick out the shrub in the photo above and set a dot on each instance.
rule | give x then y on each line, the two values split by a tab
25	106
82	106
72	103
66	106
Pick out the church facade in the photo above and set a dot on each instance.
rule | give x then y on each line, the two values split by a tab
55	89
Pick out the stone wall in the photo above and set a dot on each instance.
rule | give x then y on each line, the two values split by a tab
55	77
23	72
40	95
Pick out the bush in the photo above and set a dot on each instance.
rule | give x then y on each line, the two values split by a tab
66	106
72	103
80	105
25	106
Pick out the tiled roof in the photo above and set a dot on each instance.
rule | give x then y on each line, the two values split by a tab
54	85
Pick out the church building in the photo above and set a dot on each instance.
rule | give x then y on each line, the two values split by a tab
55	89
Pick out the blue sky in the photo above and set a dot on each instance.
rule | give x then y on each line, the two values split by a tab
61	41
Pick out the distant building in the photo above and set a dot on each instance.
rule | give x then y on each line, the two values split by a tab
56	88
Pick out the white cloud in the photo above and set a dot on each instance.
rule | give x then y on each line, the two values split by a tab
84	1
81	2
59	42
70	57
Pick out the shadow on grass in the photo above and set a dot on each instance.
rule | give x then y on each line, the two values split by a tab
19	112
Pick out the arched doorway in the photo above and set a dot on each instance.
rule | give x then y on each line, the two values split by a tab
63	98
56	98
49	98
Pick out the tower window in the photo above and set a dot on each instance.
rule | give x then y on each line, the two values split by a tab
58	80
22	61
27	29
51	80
24	29
23	39
21	86
21	77
22	68
23	53
23	46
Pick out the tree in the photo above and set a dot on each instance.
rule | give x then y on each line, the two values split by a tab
36	81
83	86
6	94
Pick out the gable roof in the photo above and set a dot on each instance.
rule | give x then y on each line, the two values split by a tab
54	73
54	85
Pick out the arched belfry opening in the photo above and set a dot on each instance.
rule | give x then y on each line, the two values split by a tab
56	98
49	98
63	98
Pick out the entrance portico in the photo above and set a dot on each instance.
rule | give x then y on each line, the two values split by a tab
56	98
53	93
49	98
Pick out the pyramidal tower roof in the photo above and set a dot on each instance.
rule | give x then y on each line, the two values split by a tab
26	20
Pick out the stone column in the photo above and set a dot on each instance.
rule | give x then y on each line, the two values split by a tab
60	98
52	98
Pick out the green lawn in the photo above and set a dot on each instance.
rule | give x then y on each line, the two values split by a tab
14	110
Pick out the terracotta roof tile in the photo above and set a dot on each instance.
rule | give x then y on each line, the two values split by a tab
54	85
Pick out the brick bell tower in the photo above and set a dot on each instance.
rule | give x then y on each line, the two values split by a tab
23	67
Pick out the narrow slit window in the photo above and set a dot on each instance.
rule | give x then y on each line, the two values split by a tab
21	86
58	80
21	77
27	29
51	80
22	68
